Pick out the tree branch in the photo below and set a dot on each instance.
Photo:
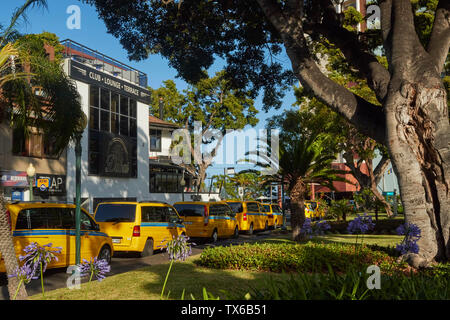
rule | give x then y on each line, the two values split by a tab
366	117
381	168
440	36
376	74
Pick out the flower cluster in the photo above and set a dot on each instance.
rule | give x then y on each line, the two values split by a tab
36	255
412	234
24	274
179	248
310	229
361	224
94	267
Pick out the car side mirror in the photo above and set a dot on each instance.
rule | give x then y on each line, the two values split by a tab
180	221
97	227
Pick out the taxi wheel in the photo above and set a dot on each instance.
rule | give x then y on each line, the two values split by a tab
105	254
214	236
148	249
236	233
250	230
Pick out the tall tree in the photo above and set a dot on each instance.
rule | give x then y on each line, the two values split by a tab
216	108
56	110
250	35
303	159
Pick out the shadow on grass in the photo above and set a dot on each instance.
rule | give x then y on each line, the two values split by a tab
188	277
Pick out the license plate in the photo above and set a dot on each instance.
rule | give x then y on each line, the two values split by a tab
116	240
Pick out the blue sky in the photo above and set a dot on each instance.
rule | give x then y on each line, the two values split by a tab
94	35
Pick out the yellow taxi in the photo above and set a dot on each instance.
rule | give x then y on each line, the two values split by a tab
208	219
313	209
139	226
54	223
274	213
250	215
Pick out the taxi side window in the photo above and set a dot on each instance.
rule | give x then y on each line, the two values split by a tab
45	218
227	210
213	210
86	222
252	207
173	217
154	214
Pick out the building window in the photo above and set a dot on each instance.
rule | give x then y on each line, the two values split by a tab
112	133
155	140
166	179
37	145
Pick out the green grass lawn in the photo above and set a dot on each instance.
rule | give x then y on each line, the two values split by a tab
146	283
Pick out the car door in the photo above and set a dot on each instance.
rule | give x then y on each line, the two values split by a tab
90	243
253	213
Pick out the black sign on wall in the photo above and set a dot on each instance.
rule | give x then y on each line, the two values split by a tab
50	184
84	73
112	155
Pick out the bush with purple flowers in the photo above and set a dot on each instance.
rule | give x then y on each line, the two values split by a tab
412	234
310	229
361	224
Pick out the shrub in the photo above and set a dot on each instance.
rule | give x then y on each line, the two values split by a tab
309	257
352	285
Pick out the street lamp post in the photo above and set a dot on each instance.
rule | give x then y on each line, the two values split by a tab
182	184
81	126
31	171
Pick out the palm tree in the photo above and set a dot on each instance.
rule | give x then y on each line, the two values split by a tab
23	67
302	161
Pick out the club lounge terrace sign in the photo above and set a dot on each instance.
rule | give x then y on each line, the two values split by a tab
82	72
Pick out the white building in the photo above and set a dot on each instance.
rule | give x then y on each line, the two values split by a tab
125	150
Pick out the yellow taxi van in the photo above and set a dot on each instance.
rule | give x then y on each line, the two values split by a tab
274	213
140	227
54	223
250	215
313	209
208	219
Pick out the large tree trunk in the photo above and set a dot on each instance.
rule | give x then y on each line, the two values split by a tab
8	254
297	195
419	132
413	121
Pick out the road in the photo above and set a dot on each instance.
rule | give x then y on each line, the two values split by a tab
120	263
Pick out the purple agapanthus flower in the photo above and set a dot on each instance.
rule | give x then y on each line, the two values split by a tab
179	248
321	226
35	255
94	267
412	234
23	273
361	224
310	229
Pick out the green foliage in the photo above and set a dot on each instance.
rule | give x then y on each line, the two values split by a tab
352	286
309	257
340	209
211	101
366	200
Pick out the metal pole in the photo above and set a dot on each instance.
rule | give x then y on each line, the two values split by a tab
78	200
282	204
31	188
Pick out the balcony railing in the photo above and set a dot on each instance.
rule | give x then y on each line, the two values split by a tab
101	62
